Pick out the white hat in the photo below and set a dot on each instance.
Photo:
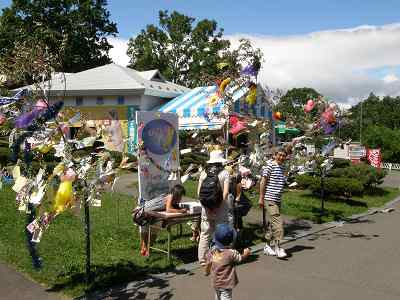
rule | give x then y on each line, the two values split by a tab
216	156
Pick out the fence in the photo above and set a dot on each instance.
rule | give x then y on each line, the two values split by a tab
391	166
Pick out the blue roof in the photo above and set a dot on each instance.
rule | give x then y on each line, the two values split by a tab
194	110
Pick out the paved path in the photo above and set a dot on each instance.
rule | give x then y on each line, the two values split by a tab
14	286
355	261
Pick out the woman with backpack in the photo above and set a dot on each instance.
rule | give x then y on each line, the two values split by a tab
213	191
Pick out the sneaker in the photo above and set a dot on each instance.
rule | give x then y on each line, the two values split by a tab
280	253
268	250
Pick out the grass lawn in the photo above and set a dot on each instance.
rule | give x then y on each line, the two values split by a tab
115	243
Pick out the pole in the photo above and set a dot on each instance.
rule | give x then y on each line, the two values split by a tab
322	193
87	234
361	115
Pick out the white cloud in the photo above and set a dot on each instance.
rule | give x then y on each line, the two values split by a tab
390	78
118	52
335	62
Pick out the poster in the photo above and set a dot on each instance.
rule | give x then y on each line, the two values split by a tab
118	125
158	148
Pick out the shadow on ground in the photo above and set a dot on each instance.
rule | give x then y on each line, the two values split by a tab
342	234
104	277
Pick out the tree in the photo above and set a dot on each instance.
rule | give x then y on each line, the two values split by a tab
291	105
74	30
180	49
385	138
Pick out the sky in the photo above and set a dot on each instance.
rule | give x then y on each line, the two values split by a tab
343	49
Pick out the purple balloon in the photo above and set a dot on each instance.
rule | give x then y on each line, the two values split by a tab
249	70
26	119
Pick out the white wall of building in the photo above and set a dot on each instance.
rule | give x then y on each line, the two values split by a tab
148	103
90	101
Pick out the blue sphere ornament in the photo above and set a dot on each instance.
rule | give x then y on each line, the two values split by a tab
159	136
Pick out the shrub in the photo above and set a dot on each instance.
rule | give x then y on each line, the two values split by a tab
341	163
366	174
346	187
304	181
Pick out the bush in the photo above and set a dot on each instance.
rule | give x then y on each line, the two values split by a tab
342	187
304	181
341	163
366	174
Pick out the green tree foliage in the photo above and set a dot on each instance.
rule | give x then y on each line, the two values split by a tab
181	49
292	104
388	140
345	181
379	123
73	30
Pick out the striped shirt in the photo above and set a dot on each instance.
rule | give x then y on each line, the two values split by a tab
275	183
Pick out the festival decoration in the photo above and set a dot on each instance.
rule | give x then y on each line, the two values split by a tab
309	106
277	115
224	84
252	95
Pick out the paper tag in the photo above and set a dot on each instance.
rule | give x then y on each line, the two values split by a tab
185	151
20	182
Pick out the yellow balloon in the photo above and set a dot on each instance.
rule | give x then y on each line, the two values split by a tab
44	148
223	85
252	96
213	100
251	99
64	196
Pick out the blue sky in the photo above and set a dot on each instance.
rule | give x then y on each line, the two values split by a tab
343	48
284	17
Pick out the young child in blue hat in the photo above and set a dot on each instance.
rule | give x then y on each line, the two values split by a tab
221	260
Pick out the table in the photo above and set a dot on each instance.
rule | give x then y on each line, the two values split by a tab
163	220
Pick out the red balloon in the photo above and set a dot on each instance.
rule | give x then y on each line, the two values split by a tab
277	115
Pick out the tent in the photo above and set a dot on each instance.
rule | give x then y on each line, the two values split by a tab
195	113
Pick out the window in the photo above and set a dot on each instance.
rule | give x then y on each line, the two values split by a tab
121	100
78	101
99	101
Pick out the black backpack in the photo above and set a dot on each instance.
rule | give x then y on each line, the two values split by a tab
211	191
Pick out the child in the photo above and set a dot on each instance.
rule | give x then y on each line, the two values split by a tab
221	260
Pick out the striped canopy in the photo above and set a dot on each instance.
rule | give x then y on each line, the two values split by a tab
195	112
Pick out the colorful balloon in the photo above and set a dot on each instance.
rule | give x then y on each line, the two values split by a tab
224	83
277	115
251	97
3	119
64	197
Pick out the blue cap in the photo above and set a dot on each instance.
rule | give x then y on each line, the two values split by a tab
224	236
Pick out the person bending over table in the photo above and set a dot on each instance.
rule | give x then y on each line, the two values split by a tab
172	201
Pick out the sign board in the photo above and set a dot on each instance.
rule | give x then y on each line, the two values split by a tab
158	149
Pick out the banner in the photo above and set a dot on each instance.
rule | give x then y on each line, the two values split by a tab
374	157
158	149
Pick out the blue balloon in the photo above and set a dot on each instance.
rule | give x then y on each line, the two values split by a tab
159	136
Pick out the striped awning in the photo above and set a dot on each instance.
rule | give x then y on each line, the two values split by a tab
195	112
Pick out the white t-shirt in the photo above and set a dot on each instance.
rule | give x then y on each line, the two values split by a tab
224	213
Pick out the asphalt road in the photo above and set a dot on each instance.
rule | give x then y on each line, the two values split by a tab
355	261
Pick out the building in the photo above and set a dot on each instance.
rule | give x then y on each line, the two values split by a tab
110	95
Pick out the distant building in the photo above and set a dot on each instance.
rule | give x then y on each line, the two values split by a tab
111	94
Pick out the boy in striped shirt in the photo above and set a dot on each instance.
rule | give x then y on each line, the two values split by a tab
271	189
